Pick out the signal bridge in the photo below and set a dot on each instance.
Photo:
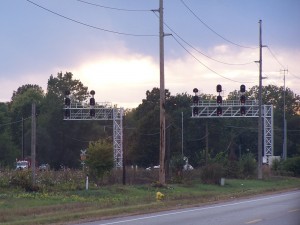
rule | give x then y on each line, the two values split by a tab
101	111
236	109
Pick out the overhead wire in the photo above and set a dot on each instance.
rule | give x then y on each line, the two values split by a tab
222	62
198	59
206	65
276	59
91	26
211	29
18	121
113	8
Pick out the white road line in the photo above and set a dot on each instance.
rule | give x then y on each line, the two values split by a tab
197	209
253	221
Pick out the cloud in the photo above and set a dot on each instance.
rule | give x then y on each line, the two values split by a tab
122	77
185	73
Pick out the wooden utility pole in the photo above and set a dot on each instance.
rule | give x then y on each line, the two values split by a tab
206	141
33	141
23	154
259	153
284	149
162	150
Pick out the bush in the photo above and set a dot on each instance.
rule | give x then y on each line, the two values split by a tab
177	163
276	164
233	169
212	173
23	179
292	165
248	166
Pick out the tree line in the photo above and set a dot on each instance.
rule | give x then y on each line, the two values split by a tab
59	142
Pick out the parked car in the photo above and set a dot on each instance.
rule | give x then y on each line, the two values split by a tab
44	167
22	165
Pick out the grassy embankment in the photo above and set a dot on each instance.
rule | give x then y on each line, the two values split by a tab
19	207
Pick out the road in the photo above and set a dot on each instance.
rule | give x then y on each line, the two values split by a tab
275	209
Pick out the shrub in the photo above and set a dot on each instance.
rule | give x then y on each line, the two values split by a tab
292	165
233	169
23	179
275	165
100	159
212	173
177	164
248	165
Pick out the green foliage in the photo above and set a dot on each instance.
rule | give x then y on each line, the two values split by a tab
177	163
233	169
63	82
276	164
23	179
8	150
212	173
100	158
292	165
248	165
59	142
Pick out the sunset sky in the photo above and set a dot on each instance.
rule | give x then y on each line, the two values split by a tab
112	46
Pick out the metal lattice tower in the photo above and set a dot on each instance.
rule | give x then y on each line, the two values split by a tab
232	109
103	111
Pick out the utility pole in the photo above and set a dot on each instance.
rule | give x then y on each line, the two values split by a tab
284	149
182	134
162	150
259	154
206	143
33	141
23	154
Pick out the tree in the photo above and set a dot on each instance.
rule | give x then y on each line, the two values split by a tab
63	82
20	108
8	150
99	158
64	138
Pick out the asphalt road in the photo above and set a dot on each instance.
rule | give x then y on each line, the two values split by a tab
275	209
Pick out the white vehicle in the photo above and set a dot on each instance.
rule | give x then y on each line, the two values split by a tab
22	165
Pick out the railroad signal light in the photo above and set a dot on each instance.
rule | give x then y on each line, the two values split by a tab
195	111
219	110
67	98
243	110
219	88
243	88
92	112
67	113
67	104
243	99
92	101
67	101
219	99
195	99
92	104
195	90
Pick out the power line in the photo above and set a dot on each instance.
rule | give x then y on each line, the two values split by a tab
298	77
211	29
205	64
91	26
222	62
18	121
274	56
113	8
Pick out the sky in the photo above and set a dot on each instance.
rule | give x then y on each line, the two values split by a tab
112	46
